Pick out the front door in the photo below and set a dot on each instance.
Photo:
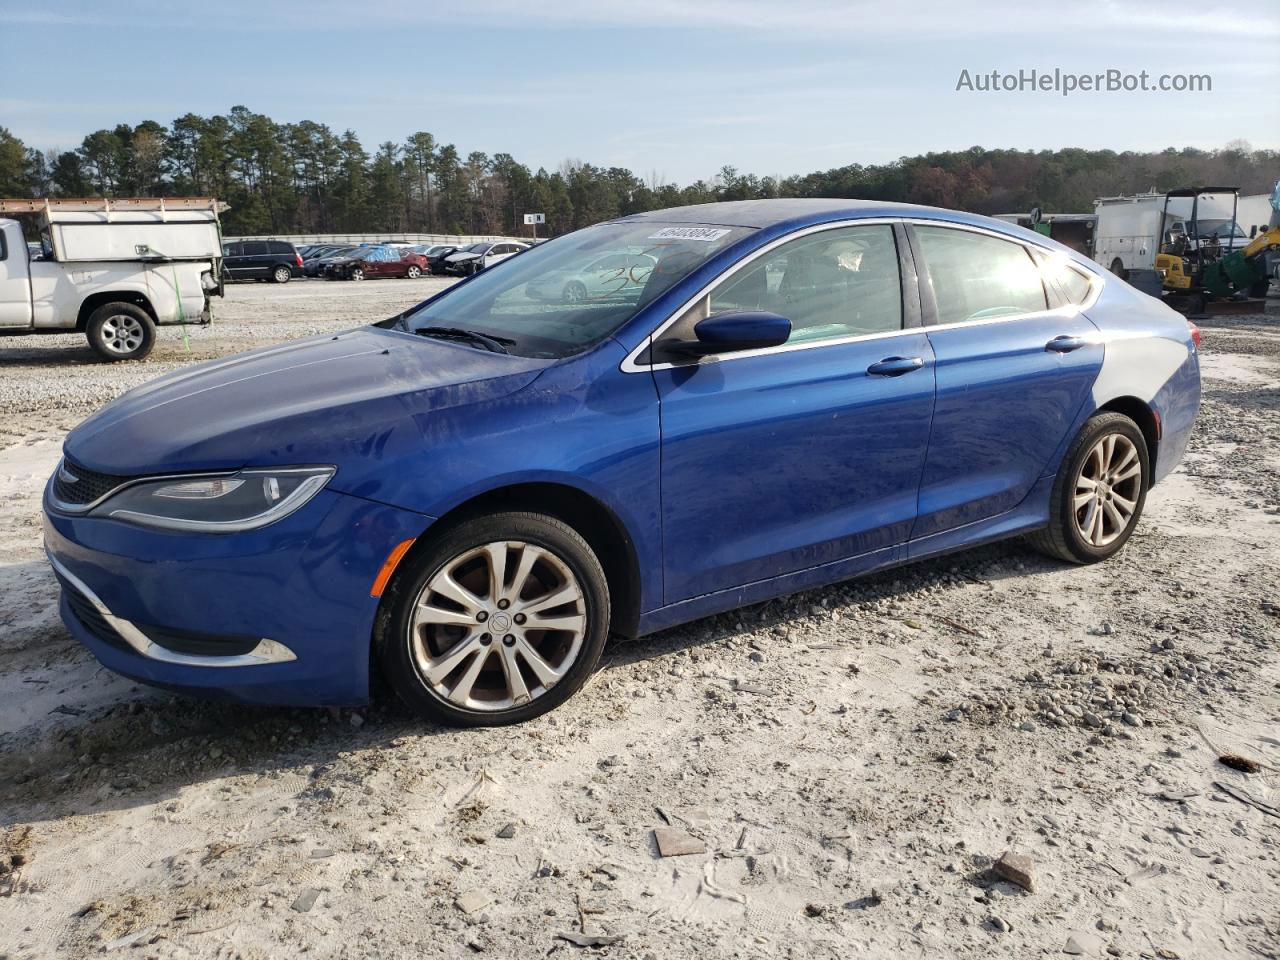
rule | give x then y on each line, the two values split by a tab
1012	375
15	289
782	459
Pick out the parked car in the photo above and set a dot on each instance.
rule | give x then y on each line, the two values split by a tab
436	260
316	266
274	260
371	263
478	256
472	495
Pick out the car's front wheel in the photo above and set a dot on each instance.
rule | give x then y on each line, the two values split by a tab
414	271
355	273
1099	491
497	621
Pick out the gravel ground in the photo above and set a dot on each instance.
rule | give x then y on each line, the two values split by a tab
847	763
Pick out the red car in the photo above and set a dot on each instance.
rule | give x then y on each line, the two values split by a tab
368	263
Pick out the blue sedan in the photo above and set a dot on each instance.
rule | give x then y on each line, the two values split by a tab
471	496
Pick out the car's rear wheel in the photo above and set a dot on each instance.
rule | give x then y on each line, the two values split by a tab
414	272
1099	492
498	621
281	274
121	331
575	291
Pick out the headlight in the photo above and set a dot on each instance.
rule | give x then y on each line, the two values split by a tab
226	503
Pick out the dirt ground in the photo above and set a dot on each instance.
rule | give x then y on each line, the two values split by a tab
850	761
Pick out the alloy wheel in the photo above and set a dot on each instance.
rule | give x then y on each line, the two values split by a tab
1107	490
498	626
122	334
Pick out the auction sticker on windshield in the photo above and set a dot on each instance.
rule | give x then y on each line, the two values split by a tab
707	234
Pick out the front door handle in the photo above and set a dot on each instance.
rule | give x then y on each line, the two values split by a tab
1065	344
895	366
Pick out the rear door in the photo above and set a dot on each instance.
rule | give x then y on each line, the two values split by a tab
15	288
793	457
1013	369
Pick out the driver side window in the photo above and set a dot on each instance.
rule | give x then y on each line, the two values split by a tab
831	285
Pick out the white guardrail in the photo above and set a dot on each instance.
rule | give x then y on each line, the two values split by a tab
315	238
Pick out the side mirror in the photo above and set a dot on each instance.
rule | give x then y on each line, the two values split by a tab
730	332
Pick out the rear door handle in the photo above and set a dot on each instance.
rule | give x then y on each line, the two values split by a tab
895	366
1065	344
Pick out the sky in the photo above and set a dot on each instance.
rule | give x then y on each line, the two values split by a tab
673	89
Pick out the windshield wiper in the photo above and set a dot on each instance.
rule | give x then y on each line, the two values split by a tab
494	344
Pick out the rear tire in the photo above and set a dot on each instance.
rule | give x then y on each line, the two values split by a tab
281	274
1096	486
439	606
121	331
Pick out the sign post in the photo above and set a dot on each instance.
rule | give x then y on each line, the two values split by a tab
532	220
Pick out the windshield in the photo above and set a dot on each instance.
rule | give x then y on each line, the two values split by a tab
476	248
1207	228
564	295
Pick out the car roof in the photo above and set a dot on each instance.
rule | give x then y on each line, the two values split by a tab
782	216
799	212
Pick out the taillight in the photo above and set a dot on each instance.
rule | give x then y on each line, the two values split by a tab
1195	334
297	257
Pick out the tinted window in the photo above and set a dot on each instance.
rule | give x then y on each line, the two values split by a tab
976	276
837	283
255	248
233	249
279	246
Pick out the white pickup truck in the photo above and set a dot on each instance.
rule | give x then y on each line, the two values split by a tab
113	269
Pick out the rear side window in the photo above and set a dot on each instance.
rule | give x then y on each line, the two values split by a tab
979	277
279	246
1071	281
255	248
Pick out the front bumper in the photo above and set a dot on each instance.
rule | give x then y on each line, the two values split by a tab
280	615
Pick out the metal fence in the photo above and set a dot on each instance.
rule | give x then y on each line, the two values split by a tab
442	238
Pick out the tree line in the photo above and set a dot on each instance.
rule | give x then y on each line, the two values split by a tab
283	178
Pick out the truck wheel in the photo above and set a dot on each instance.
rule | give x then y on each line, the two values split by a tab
121	331
281	274
1259	288
1117	267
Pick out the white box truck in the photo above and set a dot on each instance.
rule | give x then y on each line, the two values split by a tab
112	269
1130	230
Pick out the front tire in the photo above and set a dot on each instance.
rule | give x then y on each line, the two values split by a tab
1099	492
121	331
414	272
496	621
281	274
355	273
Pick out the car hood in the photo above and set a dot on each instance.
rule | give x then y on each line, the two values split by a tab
348	400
